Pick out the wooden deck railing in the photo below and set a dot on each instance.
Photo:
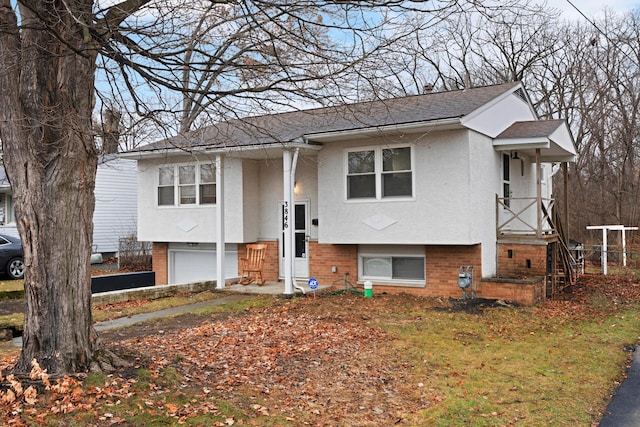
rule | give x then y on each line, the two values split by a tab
521	216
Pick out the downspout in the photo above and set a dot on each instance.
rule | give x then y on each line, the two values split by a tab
220	238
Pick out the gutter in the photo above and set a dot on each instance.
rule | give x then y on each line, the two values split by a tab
362	132
163	152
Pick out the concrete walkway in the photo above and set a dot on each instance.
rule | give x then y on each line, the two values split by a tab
236	292
168	312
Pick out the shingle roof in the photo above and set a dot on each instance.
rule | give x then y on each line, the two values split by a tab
289	126
531	129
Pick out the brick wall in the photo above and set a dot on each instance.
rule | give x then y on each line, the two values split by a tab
442	267
529	294
323	257
517	260
159	260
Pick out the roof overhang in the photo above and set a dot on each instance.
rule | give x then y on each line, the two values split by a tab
258	151
558	146
368	132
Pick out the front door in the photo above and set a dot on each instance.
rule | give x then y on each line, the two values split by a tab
301	239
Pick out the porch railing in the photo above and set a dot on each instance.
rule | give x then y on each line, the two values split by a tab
520	216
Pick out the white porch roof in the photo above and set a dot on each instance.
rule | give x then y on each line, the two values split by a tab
552	137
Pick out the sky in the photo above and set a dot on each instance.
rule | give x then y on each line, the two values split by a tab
592	8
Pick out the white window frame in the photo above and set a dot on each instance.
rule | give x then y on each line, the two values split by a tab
391	251
378	165
177	185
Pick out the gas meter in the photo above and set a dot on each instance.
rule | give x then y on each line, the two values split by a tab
465	280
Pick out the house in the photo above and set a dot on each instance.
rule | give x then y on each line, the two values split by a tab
115	213
405	193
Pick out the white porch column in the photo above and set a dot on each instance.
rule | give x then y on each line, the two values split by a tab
287	223
604	251
220	238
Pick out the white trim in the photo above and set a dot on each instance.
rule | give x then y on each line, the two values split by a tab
238	151
380	130
506	94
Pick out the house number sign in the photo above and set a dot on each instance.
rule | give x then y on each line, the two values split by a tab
285	215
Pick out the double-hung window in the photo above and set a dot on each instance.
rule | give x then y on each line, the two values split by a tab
180	185
380	173
166	192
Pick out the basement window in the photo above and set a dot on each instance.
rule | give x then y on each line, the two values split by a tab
390	264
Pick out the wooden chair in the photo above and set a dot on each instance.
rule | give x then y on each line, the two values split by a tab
251	266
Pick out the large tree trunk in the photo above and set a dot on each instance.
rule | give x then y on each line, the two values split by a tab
46	100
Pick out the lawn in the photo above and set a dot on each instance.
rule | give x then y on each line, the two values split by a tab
352	361
11	285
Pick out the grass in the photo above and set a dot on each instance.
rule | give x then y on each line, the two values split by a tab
504	366
513	365
11	285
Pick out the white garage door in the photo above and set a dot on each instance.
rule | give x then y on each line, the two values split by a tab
197	265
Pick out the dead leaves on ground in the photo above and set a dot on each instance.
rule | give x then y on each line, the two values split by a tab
320	361
582	298
316	357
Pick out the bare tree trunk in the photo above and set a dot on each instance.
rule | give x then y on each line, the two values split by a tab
110	131
46	87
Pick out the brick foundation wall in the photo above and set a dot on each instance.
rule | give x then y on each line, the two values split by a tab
442	267
517	259
159	260
323	257
522	293
271	267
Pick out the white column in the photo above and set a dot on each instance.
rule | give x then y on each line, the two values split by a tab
538	194
624	247
220	238
604	251
287	224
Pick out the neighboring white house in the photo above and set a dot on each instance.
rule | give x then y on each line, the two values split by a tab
115	214
402	192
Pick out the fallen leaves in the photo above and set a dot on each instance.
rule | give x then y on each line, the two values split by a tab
316	361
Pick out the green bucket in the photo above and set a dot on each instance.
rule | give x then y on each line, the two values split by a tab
368	289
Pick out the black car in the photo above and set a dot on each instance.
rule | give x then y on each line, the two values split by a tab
11	257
